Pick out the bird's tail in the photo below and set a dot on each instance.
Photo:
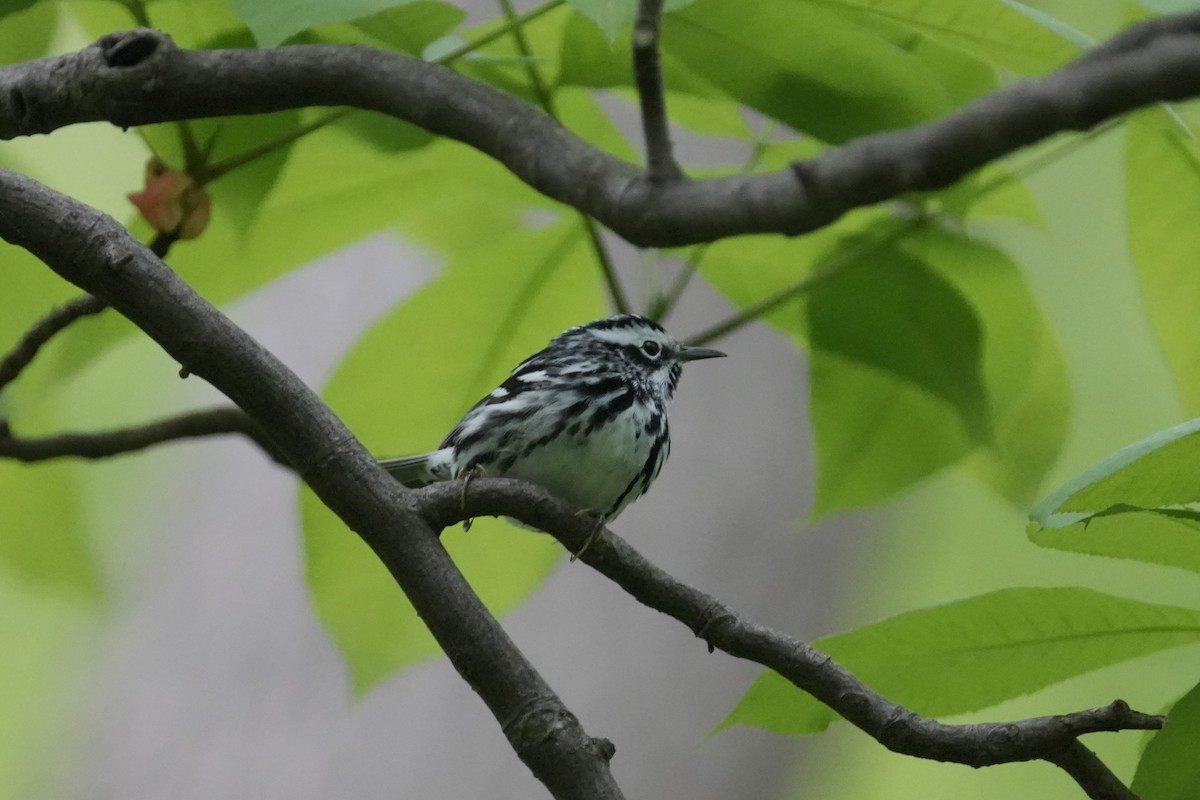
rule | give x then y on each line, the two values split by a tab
417	471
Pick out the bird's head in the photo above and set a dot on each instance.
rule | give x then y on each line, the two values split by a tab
642	345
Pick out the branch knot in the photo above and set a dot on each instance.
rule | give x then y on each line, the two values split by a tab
130	48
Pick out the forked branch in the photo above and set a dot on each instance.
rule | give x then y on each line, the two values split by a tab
1053	739
98	255
140	77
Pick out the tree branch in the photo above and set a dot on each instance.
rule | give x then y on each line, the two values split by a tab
25	350
61	318
195	424
94	252
1090	773
140	77
1052	739
660	161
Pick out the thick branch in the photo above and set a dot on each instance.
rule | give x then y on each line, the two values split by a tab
94	252
140	77
103	444
1052	739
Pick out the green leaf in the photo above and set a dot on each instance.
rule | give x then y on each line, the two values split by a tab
42	678
891	312
334	189
971	654
611	16
749	269
238	195
1052	24
896	368
614	17
1128	505
408	28
1159	536
1168	769
1157	471
709	116
845	82
1007	378
1171	6
964	74
517	289
993	191
587	58
1024	369
8	7
1162	168
862	418
26	36
273	21
42	534
1002	35
191	23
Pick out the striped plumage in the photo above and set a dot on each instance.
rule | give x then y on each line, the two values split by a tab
586	417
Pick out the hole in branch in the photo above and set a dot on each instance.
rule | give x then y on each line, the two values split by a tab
128	49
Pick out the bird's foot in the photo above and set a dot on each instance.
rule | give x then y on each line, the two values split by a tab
467	476
591	537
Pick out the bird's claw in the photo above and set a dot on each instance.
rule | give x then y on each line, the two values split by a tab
467	476
591	537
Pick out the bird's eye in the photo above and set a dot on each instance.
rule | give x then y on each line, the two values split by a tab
651	348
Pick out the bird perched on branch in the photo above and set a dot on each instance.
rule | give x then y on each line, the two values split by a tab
586	418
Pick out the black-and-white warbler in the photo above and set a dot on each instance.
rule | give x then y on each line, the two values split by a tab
585	418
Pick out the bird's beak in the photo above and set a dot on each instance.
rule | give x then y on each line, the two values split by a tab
696	353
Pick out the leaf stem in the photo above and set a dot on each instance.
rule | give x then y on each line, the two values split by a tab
221	168
834	265
513	23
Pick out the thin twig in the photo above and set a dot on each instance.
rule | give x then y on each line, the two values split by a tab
105	444
545	99
899	729
834	265
25	350
666	302
516	22
58	320
608	271
532	72
208	174
647	74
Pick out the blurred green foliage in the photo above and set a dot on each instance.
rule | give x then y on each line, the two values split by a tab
952	340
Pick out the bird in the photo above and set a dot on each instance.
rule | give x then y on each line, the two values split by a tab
584	418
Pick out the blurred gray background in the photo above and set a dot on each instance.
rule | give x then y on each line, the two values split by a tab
217	680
